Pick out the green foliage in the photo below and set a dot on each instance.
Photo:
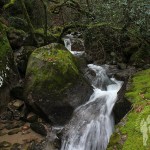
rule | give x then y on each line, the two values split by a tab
11	2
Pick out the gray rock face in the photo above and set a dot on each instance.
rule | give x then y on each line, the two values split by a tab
54	85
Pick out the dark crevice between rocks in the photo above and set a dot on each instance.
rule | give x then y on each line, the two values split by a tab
122	106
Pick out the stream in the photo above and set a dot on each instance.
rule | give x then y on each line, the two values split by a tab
93	123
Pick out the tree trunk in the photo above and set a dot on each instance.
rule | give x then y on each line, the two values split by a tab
26	15
45	21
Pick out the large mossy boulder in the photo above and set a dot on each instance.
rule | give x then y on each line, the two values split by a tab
133	133
54	85
8	75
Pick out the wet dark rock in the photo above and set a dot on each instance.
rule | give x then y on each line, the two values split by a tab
147	66
14	131
122	106
17	104
18	109
38	128
5	144
121	66
36	146
2	133
14	125
32	118
2	127
17	115
7	115
16	146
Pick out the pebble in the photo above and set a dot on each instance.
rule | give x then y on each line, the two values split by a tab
38	128
14	131
18	103
25	127
3	133
32	118
4	144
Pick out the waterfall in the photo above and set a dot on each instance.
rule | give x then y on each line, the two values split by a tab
67	42
92	123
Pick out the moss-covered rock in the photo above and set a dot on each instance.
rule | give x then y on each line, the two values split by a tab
16	37
133	133
54	85
7	67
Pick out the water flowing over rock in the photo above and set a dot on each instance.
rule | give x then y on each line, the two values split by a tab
92	123
54	85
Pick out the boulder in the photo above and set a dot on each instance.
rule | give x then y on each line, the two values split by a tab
8	73
54	85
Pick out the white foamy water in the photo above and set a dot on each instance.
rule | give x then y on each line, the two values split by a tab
92	123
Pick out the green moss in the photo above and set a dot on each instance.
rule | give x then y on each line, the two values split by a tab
56	70
4	48
139	95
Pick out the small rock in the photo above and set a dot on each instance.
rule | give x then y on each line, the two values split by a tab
122	66
7	115
14	125
30	140
17	115
16	146
2	133
25	132
32	118
1	128
36	146
18	103
25	127
14	131
4	144
38	128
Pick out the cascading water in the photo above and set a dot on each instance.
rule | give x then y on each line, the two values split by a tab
67	42
92	123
